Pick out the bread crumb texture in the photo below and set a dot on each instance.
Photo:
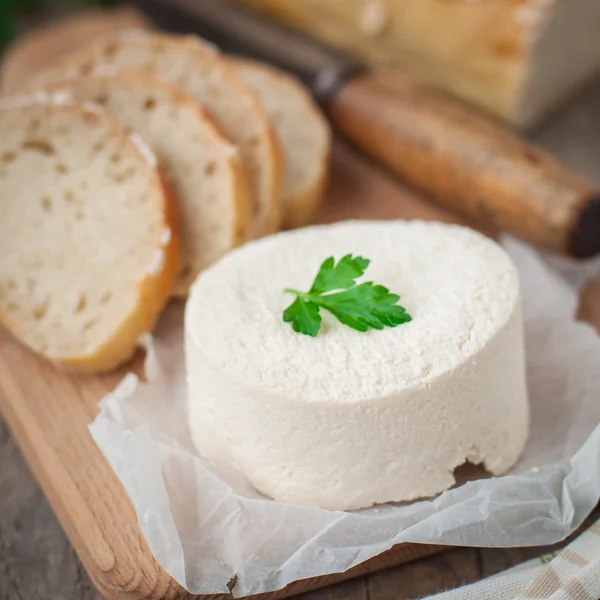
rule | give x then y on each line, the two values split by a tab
83	217
212	190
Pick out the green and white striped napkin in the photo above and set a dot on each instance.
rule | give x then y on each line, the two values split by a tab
570	574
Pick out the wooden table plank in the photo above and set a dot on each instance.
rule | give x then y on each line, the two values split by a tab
36	559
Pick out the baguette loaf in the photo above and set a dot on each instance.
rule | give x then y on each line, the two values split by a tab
201	72
209	182
517	59
304	135
89	247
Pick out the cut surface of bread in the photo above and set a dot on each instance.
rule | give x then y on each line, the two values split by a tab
205	75
304	135
89	247
210	184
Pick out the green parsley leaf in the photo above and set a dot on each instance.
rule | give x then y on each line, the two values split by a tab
341	276
359	306
304	317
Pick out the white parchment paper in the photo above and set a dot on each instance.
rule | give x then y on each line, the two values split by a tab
206	526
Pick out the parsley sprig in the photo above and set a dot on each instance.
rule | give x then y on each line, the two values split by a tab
359	306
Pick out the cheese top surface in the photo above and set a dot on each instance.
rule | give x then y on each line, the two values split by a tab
459	287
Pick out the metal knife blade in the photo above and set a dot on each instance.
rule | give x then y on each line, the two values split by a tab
237	30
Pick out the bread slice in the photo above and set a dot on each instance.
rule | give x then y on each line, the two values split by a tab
304	135
50	42
89	246
204	74
210	183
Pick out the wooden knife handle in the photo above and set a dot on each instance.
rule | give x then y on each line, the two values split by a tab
469	163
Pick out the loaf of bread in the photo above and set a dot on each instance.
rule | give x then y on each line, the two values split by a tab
517	59
209	182
207	77
304	135
89	245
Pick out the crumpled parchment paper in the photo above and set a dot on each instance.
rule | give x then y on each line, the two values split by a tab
206	526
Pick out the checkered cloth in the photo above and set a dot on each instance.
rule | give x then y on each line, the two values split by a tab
572	574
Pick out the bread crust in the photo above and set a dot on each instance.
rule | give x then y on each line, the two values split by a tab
481	52
299	206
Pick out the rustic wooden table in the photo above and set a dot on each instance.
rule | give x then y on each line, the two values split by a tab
37	562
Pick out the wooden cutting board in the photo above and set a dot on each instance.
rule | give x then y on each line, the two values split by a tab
48	411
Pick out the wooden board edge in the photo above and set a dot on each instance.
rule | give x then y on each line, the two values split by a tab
114	579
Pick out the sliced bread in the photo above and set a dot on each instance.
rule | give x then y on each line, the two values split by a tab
89	247
48	43
204	74
211	185
304	135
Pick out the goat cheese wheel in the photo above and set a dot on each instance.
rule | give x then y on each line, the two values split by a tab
346	420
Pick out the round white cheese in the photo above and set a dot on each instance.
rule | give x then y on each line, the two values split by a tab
348	419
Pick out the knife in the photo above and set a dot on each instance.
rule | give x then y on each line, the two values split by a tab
461	158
